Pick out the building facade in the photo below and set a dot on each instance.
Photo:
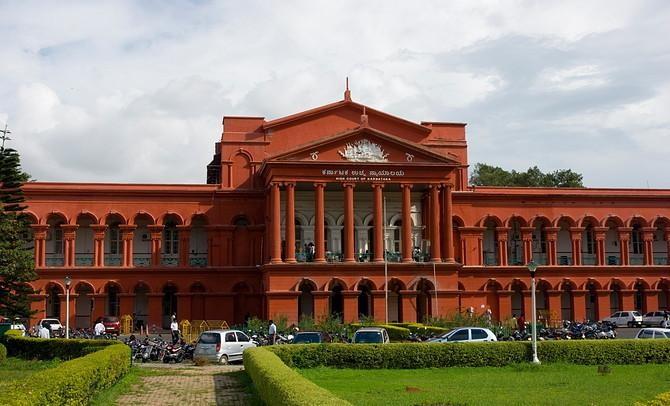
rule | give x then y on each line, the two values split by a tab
347	210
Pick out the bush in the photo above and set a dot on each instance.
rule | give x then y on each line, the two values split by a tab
427	355
73	382
278	384
14	333
45	349
3	353
662	399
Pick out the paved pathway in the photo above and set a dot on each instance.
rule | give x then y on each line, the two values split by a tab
187	384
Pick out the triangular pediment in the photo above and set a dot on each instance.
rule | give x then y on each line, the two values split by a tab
363	145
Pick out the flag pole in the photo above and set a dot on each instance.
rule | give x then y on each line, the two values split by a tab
386	270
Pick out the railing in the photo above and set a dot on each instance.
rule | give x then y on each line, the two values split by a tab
588	259
83	260
613	260
141	260
490	259
564	257
198	260
637	259
361	257
540	258
54	260
393	257
112	259
170	259
421	256
661	260
333	256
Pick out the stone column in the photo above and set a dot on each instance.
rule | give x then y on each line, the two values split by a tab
648	237
408	298
379	221
554	300
448	224
579	304
319	229
350	299
576	239
348	222
155	316
406	223
603	309
651	299
126	304
290	222
99	306
275	214
600	233
624	244
527	239
502	234
184	245
379	305
40	235
320	304
505	304
69	237
627	299
156	231
435	253
99	244
127	235
552	237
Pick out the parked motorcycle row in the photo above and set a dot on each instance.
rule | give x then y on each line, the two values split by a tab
158	350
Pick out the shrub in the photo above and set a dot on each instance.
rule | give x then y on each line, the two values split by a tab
427	355
73	382
277	384
14	333
3	353
44	349
662	399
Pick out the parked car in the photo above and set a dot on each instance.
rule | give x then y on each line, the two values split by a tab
310	337
371	335
653	318
55	328
627	318
653	332
112	325
465	334
222	346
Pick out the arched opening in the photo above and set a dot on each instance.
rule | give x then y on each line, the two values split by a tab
83	305
612	250
396	243
53	301
515	244
171	247
660	244
517	299
141	306
198	245
241	252
365	302
113	241
592	308
589	244
616	300
458	243
640	297
424	305
306	299
241	293
113	304
492	298
84	240
197	291
636	246
567	302
336	299
542	297
564	243
540	241
169	305
395	301
370	252
241	172
490	242
142	240
664	295
54	241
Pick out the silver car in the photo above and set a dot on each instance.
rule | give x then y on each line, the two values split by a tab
653	332
222	346
653	318
465	335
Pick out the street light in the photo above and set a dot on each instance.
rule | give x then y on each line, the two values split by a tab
68	281
532	267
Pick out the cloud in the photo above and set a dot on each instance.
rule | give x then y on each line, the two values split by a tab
134	91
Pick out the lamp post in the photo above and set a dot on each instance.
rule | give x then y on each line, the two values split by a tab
68	281
532	267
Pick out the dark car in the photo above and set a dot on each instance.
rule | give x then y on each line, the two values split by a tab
310	337
112	324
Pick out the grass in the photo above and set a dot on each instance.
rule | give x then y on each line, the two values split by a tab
550	384
16	368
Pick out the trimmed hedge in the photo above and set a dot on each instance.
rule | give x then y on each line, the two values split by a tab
3	353
277	384
14	333
45	349
425	355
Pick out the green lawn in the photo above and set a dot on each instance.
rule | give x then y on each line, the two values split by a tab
551	384
16	368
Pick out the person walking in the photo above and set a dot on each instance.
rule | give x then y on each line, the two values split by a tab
174	328
272	332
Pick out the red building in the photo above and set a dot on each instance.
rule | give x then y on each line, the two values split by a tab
299	213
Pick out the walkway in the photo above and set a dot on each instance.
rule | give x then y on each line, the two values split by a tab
187	384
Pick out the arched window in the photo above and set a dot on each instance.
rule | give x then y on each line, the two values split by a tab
115	243
171	239
637	242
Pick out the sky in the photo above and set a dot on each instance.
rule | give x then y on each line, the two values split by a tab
134	91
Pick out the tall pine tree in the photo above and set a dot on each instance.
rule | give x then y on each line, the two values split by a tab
16	260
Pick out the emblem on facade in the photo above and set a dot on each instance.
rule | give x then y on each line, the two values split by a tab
364	151
409	157
314	155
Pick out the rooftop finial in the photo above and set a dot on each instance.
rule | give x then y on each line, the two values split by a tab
364	119
347	93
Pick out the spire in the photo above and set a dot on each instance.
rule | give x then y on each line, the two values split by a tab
347	93
364	119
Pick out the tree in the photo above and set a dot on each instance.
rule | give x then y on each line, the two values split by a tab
487	175
16	261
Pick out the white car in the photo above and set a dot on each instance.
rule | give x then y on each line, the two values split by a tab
222	346
653	332
628	319
653	318
466	334
54	326
371	335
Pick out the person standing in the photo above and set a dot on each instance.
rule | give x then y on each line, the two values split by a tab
44	332
174	328
272	332
99	329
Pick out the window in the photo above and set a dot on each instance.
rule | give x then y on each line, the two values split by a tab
646	334
58	240
590	241
241	337
171	239
636	240
459	335
479	334
115	243
230	337
209	338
